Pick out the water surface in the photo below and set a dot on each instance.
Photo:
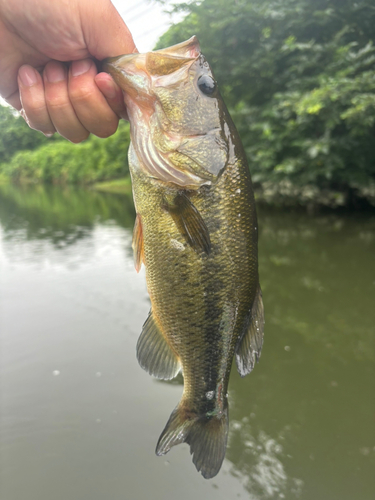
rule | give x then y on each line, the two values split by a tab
80	419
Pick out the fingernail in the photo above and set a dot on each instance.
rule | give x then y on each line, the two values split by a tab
28	76
80	67
55	72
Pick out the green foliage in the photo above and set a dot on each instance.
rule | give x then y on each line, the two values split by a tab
15	135
298	77
60	213
62	162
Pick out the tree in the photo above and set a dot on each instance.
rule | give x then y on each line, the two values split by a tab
27	155
298	77
62	162
16	135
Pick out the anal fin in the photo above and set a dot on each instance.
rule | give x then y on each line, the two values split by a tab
250	346
189	222
137	244
154	353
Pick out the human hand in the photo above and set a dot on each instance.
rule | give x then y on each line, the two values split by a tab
51	93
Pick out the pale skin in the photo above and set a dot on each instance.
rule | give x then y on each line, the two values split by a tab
47	67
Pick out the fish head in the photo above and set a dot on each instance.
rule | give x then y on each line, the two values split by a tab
177	115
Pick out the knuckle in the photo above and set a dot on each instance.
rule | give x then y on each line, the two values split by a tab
34	108
39	121
57	101
81	95
42	127
34	125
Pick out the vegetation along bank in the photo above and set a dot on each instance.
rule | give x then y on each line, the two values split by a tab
298	77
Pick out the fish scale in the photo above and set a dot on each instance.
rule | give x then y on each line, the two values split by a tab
197	240
189	291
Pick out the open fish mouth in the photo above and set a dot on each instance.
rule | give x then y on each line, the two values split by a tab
166	154
134	72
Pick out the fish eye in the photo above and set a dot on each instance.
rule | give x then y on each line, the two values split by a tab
206	84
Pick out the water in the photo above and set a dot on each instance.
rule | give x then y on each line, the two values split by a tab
80	419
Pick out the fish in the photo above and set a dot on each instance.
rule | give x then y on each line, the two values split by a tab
196	233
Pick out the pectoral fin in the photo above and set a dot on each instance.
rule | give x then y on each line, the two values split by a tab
250	346
154	353
189	222
137	244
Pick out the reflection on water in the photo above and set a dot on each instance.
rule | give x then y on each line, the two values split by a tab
60	215
266	476
80	419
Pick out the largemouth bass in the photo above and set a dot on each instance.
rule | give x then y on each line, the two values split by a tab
196	233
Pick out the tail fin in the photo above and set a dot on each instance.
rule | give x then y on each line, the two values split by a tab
206	435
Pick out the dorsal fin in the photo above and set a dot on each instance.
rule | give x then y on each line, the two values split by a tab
137	243
154	353
189	222
250	346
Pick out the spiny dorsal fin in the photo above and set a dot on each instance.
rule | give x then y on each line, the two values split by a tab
206	435
154	354
137	244
250	346
189	222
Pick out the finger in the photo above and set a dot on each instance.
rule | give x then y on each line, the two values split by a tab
58	102
34	106
14	100
113	93
99	43
14	52
89	103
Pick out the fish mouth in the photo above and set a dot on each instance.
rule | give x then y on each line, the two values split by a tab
134	73
138	75
129	72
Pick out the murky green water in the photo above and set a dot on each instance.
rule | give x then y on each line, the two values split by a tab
79	419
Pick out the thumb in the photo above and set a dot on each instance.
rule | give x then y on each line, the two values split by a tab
106	34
